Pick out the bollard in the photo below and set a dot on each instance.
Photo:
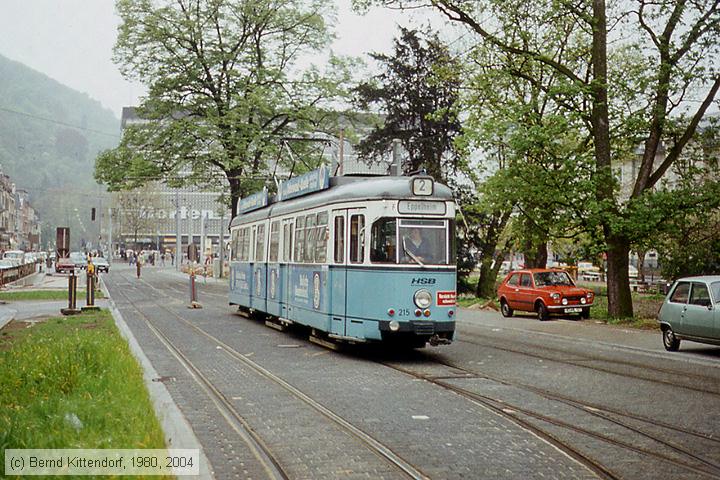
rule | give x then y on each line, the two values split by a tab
137	263
72	296
90	290
193	291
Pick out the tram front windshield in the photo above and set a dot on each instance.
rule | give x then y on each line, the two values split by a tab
411	241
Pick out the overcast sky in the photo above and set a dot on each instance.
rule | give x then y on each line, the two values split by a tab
71	41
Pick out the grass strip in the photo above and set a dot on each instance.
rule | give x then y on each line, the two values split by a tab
72	383
25	295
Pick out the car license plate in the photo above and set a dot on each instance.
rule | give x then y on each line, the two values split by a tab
573	310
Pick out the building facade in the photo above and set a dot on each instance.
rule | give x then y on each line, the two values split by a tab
152	217
19	222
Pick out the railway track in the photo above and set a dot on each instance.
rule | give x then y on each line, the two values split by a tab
524	416
581	358
538	422
262	452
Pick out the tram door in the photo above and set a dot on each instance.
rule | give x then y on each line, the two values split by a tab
348	230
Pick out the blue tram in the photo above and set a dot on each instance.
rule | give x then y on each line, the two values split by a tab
356	259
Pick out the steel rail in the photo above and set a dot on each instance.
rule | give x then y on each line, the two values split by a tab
508	410
373	444
600	369
256	444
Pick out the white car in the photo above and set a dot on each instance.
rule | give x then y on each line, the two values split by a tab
6	263
15	256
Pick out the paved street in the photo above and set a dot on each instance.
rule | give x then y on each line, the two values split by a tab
512	398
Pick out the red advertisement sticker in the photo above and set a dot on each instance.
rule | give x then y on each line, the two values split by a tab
446	299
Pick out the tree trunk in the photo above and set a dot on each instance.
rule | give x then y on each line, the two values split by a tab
619	299
641	265
618	284
490	255
236	194
535	255
488	276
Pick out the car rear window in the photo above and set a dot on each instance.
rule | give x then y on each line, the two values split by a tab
680	294
525	280
514	280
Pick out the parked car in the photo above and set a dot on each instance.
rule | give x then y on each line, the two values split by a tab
6	263
583	267
79	260
691	311
15	256
64	265
101	265
543	291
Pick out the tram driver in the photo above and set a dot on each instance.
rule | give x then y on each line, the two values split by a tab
418	247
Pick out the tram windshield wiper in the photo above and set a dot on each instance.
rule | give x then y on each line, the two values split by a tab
410	254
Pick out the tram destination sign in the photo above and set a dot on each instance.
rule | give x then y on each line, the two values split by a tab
423	207
308	183
253	202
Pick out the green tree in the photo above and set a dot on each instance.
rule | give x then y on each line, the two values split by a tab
650	86
416	93
530	150
224	85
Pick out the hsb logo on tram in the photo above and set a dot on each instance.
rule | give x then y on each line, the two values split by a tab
423	281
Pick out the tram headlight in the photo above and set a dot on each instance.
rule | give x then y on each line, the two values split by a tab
394	326
422	298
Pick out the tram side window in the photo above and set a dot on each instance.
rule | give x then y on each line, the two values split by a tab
339	239
310	235
383	241
320	238
234	245
274	241
239	246
245	248
287	242
453	244
260	244
357	242
299	239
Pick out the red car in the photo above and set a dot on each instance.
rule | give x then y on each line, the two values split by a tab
543	291
64	265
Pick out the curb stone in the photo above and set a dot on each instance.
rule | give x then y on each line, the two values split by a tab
7	315
178	433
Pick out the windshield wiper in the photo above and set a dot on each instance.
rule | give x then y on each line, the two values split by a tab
410	254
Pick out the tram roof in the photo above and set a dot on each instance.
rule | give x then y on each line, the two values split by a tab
346	189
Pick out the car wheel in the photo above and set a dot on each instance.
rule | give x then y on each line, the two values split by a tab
505	309
585	313
671	342
542	311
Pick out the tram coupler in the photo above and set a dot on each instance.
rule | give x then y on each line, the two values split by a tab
436	340
72	297
193	291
